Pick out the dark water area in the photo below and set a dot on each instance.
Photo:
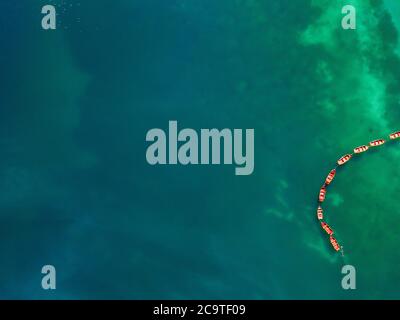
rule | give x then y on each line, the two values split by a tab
76	191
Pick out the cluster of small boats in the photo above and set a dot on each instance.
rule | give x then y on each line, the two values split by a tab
322	192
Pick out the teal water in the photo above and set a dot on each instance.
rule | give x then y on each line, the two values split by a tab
76	190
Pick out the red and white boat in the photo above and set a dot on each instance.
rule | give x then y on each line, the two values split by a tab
395	135
344	159
361	149
334	243
320	213
377	143
327	228
330	177
322	194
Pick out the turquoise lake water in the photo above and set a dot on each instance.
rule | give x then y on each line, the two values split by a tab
76	190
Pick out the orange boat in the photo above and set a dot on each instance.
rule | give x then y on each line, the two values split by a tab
344	159
376	143
322	194
334	243
330	177
327	228
395	135
320	213
361	149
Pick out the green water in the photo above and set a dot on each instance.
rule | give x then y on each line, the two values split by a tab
76	190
